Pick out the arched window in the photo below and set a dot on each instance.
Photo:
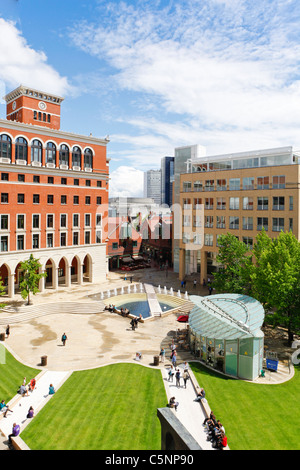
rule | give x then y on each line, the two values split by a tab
5	146
88	158
51	153
36	151
63	155
76	157
21	149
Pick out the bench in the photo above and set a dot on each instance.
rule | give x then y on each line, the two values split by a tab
19	444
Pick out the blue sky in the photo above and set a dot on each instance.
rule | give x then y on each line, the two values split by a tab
155	75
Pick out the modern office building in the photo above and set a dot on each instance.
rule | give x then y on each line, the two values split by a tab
167	180
240	193
152	185
182	155
54	194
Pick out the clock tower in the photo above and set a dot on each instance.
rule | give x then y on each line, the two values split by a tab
35	107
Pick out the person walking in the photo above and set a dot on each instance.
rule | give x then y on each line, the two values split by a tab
195	283
177	376
7	331
162	355
171	374
185	377
174	359
64	339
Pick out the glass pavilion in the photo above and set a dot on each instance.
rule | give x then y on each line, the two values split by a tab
225	333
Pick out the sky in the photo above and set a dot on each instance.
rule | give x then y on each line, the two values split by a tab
156	75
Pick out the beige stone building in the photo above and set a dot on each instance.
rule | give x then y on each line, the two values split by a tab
238	193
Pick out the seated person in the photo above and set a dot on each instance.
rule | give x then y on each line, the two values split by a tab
200	395
51	390
138	356
24	391
4	408
15	432
173	403
30	413
32	385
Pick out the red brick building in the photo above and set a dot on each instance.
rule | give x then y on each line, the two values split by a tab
54	194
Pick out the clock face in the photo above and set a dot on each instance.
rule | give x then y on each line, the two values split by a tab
42	105
14	105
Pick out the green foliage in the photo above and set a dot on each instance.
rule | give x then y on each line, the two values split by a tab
2	292
31	277
234	275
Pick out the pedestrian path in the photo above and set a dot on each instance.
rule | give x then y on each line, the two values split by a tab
37	399
154	306
189	412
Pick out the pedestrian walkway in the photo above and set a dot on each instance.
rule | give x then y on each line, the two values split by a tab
189	412
37	399
154	306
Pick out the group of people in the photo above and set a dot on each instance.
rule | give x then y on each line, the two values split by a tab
215	431
135	321
25	389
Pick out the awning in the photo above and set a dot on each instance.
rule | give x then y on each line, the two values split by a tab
126	260
183	318
138	258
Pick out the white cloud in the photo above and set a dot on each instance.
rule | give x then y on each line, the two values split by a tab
21	64
126	181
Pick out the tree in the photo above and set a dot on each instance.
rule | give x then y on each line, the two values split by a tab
276	278
236	265
2	291
31	277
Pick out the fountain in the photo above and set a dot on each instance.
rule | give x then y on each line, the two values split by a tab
165	290
115	291
186	296
171	291
179	294
128	289
159	289
141	287
134	288
102	295
122	290
108	293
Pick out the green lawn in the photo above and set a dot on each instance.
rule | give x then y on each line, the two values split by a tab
110	408
12	373
255	417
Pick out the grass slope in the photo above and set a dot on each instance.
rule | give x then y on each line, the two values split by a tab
255	417
110	408
12	373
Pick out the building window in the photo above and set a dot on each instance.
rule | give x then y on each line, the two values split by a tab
248	183
247	203
98	220
36	151
277	224
87	220
220	221
63	199
221	185
75	238
262	223
87	200
35	241
36	178
209	185
21	178
64	155
263	182
291	204
186	221
36	199
115	245
50	199
88	182
51	153
278	203
88	159
21	149
4	177
234	184
208	239
99	237
99	184
36	221
4	243
4	222
221	203
248	241
76	157
209	203
262	203
4	198
63	239
198	186
21	198
76	182
234	203
21	222
76	200
63	181
20	242
208	221
187	186
75	220
50	180
50	240
63	220
50	221
234	222
247	223
5	146
291	225
278	182
87	238
99	200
